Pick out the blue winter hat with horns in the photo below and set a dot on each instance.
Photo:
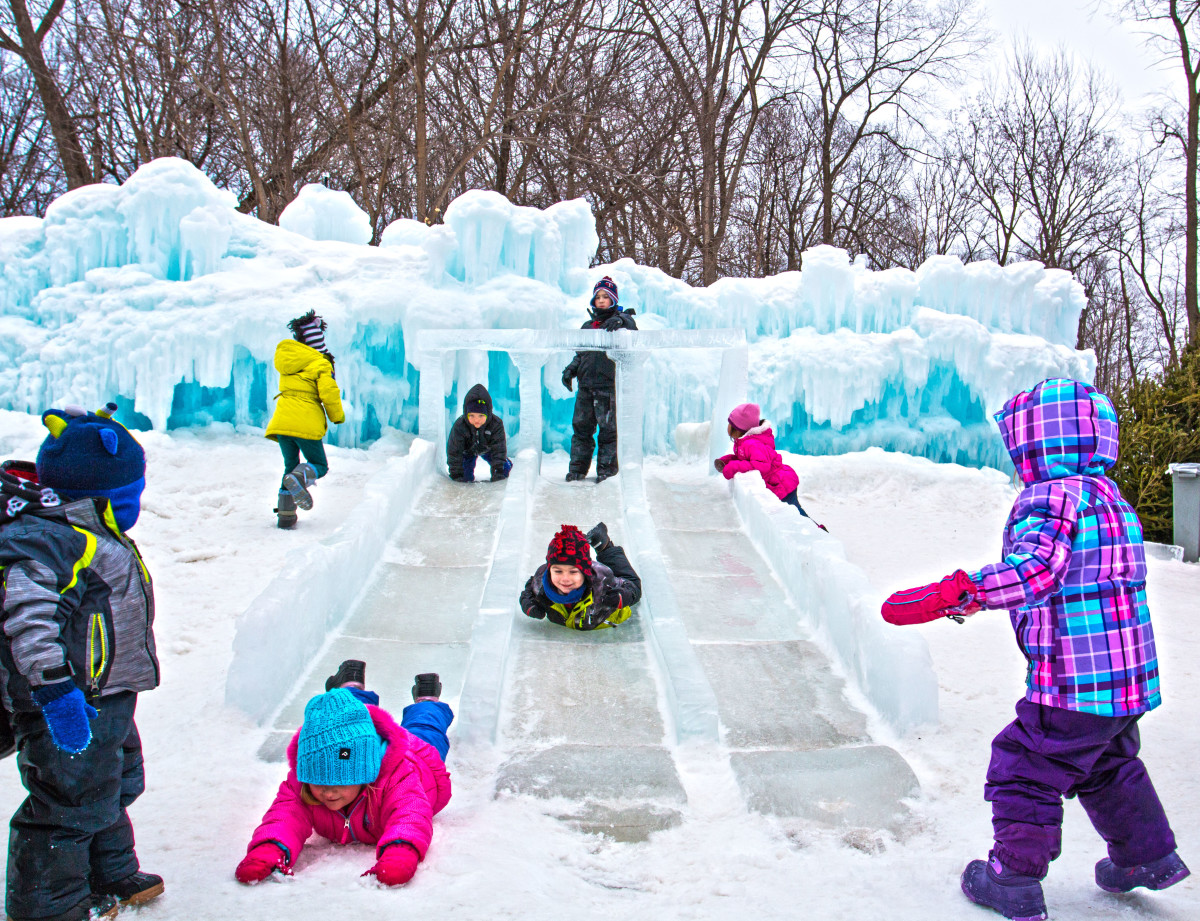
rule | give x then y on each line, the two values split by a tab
91	455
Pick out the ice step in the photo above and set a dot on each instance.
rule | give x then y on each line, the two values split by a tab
856	787
780	695
625	792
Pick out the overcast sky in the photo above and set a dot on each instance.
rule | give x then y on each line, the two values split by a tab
1072	23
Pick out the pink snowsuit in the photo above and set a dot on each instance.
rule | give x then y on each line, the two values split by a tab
756	451
399	805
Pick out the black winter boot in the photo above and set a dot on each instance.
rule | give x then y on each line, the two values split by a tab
351	671
135	889
285	508
598	537
93	908
574	475
427	686
297	483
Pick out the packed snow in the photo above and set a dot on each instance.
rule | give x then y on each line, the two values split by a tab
210	541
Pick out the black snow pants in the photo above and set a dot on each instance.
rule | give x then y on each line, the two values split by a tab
594	409
72	833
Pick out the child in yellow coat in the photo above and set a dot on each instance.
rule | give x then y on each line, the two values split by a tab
307	394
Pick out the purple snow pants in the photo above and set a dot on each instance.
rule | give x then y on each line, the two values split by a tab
1047	753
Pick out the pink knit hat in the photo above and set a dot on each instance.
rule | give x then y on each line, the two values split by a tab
745	416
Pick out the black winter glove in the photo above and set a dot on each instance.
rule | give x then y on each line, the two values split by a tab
598	537
568	376
615	322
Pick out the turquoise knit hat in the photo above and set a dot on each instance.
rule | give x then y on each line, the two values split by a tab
338	742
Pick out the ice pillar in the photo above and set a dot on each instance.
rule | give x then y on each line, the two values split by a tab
631	416
730	392
529	368
431	408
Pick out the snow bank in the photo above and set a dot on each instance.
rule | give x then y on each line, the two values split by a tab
890	666
160	294
280	633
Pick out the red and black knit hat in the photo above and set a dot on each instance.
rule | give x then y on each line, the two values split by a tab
570	547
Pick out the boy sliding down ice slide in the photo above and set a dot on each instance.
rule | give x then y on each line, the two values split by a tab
572	591
358	776
1073	579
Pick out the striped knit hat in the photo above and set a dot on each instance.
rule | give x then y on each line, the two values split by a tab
570	547
338	743
309	329
609	287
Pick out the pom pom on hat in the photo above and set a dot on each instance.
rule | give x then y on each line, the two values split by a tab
570	547
338	743
745	416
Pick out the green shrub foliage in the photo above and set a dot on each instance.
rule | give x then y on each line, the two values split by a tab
1160	425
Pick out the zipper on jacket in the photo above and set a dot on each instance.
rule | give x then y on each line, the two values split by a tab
97	646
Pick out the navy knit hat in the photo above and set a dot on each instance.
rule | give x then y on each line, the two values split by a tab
609	287
91	455
338	742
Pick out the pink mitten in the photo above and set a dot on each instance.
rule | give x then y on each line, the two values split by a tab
396	865
954	594
261	862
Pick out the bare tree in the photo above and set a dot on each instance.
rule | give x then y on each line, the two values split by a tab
1174	24
867	62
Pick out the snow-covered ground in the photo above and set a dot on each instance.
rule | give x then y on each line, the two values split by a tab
209	537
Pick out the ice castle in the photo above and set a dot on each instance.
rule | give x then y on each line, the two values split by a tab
159	293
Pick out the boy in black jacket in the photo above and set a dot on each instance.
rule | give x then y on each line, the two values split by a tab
596	402
572	591
478	432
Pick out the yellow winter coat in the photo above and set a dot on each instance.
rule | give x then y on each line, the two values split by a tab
307	393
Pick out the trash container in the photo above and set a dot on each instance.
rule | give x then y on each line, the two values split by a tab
1186	509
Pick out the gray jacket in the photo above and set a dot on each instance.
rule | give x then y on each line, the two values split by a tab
76	601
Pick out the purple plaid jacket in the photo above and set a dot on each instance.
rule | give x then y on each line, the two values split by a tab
1074	569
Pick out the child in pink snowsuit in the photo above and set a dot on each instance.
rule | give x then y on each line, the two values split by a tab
754	449
358	776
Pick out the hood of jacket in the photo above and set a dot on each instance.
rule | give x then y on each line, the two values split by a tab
20	492
292	357
476	395
1059	428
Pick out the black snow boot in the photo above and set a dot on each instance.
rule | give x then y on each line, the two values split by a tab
574	476
598	537
351	671
427	686
601	476
93	908
297	483
286	510
135	889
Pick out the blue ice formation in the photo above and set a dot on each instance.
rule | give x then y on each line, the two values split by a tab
161	293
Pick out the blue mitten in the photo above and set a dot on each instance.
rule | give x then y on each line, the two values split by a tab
67	715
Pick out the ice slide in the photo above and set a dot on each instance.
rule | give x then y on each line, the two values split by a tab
592	722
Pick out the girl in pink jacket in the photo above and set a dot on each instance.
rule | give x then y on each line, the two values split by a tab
754	449
359	777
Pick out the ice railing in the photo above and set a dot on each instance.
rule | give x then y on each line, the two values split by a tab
530	350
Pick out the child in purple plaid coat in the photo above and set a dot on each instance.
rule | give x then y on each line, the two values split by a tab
1073	579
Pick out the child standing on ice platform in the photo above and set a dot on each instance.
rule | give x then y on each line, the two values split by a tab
596	401
358	777
572	591
1073	579
307	394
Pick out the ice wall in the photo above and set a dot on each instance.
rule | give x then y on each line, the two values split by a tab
159	293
